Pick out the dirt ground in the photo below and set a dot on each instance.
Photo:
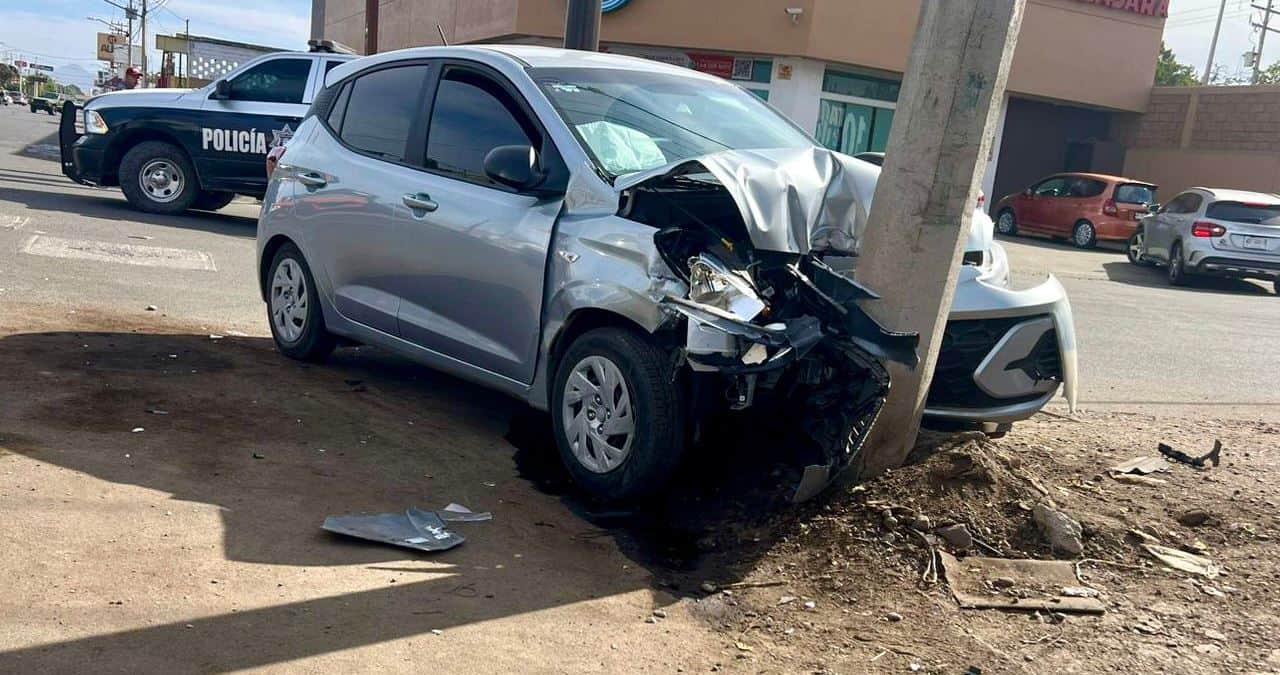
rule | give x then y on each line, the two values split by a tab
192	543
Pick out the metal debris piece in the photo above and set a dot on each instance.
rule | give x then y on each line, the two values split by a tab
1141	465
1213	456
1040	581
416	529
1136	479
457	513
1181	560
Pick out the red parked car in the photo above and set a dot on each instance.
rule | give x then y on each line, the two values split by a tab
1085	207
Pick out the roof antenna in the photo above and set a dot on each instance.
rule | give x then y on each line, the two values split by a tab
443	39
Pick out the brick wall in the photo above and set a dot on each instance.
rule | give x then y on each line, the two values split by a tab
1161	125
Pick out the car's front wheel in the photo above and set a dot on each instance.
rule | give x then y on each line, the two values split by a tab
157	177
293	308
617	414
1007	223
1084	235
1134	249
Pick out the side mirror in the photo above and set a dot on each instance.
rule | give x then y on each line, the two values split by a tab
221	90
514	166
1153	208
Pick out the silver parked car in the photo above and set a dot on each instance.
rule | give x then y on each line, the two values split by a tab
1212	232
629	245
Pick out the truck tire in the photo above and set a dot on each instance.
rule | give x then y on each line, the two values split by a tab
212	201
157	177
293	308
618	413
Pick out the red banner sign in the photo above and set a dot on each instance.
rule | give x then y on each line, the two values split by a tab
1158	8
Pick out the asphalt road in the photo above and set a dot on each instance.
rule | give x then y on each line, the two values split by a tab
1205	350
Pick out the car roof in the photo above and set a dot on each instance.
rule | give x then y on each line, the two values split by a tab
1103	177
1228	195
527	56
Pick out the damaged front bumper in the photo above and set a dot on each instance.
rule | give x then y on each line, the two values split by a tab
823	362
1005	353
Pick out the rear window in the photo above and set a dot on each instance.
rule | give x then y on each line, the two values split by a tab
1240	212
1135	194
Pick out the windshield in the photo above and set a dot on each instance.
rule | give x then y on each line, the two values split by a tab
630	120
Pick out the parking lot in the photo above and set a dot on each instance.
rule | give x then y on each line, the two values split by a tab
163	470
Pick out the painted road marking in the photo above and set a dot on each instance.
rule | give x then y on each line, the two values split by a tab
8	222
127	254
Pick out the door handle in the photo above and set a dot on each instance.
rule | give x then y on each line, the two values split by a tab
420	201
312	179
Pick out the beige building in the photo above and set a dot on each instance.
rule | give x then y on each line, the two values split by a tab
1082	70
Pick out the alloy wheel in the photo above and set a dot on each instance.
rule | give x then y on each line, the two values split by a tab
289	295
597	414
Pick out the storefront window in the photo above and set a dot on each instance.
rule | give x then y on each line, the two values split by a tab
852	128
860	86
762	70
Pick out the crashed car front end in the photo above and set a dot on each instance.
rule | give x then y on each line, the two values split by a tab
731	280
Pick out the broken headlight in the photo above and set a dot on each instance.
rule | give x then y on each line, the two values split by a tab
711	283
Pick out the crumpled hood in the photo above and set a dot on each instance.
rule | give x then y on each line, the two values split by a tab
792	200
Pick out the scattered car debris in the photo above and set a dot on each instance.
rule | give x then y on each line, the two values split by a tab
1213	456
1183	561
416	529
151	308
1060	530
157	411
1137	479
137	430
1140	465
1036	585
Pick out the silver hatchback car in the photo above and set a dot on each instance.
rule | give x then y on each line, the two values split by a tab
632	246
1212	232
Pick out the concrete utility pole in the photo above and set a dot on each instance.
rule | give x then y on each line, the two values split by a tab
582	25
1213	44
370	27
144	43
1262	39
947	112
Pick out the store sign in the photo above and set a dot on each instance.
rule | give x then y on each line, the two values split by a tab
612	5
1158	8
720	65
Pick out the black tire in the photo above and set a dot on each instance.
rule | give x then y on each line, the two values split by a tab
212	201
1084	235
314	343
1007	226
143	154
1133	249
657	409
1176	269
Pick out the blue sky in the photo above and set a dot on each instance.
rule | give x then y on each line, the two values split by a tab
57	31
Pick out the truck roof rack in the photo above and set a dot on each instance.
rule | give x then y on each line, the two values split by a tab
328	47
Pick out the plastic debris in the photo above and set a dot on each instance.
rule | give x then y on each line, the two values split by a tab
416	529
1213	456
1036	584
1141	465
1183	561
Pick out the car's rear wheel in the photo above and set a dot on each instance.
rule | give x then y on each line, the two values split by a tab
157	177
1007	223
1134	249
618	415
1176	270
293	308
212	201
1084	235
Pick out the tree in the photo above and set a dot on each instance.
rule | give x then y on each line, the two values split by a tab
1270	74
8	74
1170	73
73	90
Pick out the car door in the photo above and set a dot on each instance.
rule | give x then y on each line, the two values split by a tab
475	262
352	169
1159	237
1038	206
263	105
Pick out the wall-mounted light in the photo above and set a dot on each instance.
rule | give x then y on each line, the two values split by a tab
795	13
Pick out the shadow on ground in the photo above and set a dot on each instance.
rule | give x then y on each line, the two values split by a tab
1154	277
108	204
277	445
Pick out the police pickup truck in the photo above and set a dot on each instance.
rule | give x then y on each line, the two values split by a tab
171	150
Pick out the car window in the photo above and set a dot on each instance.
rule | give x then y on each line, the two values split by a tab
339	109
380	109
1135	194
274	81
1241	212
472	115
1054	187
1174	205
1085	187
1191	202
